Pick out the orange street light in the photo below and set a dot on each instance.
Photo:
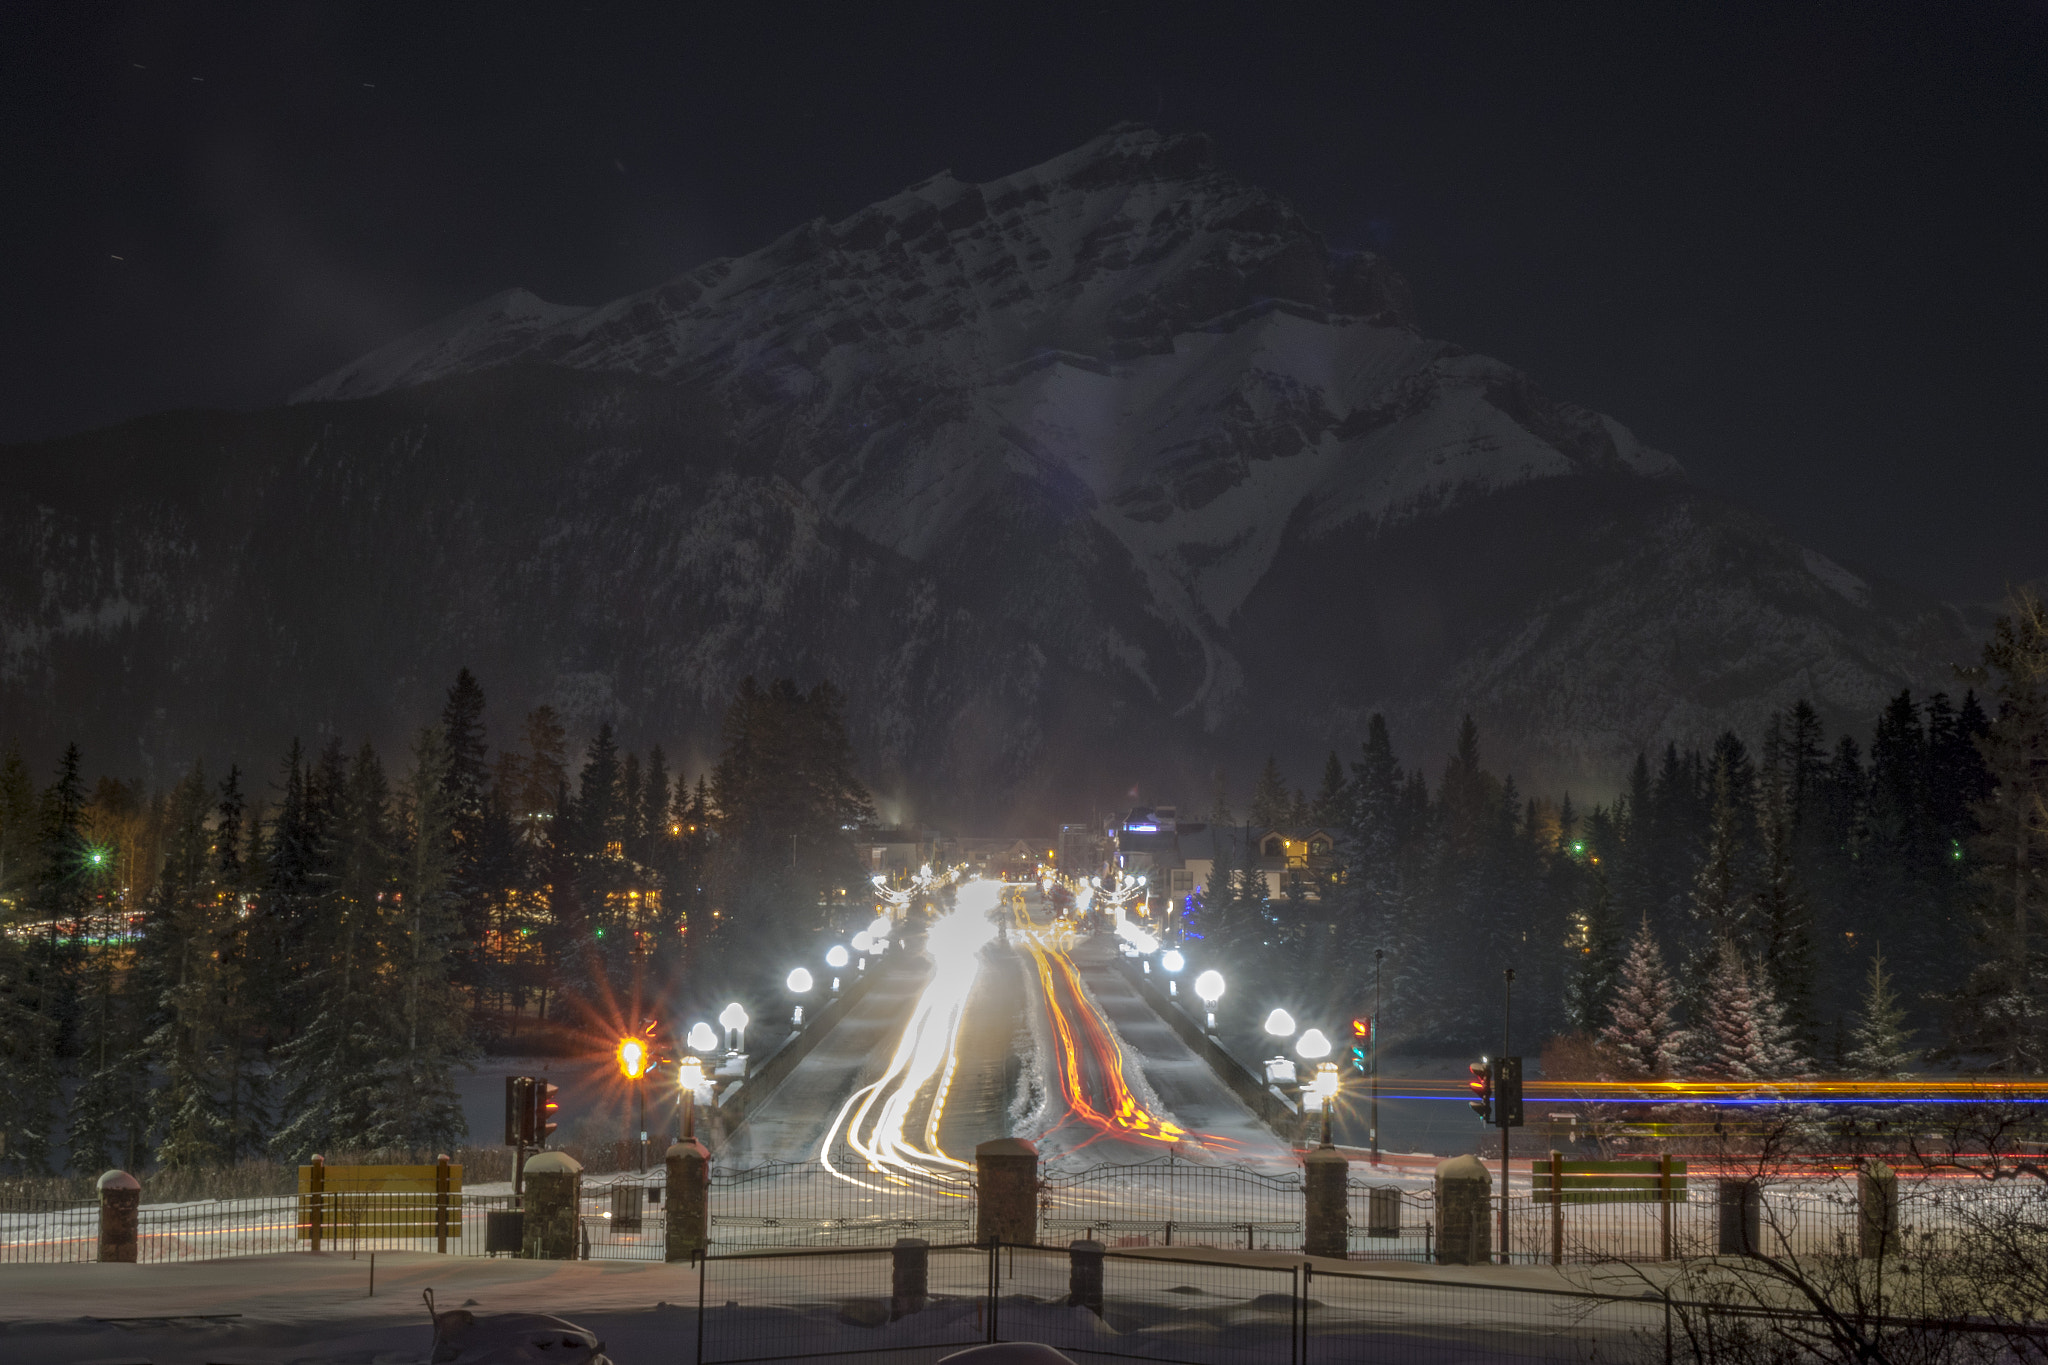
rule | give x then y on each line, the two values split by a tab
632	1058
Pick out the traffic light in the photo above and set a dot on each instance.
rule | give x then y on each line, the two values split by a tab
542	1112
1481	1086
1361	1044
1507	1093
518	1111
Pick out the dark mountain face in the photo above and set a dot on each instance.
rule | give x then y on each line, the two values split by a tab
1104	473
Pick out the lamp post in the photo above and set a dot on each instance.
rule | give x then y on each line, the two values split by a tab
633	1066
836	959
734	1017
1378	959
1172	961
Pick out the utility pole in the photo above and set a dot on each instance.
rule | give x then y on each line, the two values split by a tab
1378	971
1507	1002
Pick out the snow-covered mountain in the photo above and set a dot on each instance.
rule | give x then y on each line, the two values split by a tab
1106	470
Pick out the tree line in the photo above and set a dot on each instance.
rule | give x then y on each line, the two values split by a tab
229	969
1789	902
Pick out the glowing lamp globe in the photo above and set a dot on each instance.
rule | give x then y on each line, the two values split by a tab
702	1038
1209	985
732	1016
690	1073
880	928
1280	1024
1172	960
863	942
799	981
1313	1045
835	956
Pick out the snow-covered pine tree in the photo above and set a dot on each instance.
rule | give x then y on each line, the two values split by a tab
1881	1045
1272	807
332	1072
1739	1031
1640	1026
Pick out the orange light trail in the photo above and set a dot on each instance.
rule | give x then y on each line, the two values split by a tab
1124	1117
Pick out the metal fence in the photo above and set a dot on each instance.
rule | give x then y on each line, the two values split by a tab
1173	1202
846	1204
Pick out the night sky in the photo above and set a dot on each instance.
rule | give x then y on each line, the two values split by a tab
1802	247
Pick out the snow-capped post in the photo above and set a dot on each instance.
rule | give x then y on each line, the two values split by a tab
909	1276
554	1190
120	1212
689	1200
1877	1211
1742	1207
1464	1199
1084	1276
1006	1192
1324	1178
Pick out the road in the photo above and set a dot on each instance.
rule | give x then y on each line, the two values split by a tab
1007	1027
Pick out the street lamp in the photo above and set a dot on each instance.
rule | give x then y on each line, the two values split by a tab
799	983
633	1066
735	1020
1172	961
836	959
690	1080
1324	1088
1280	1024
1313	1045
1209	985
702	1039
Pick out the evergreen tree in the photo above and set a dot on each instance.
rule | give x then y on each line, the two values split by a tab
1882	1043
20	829
1741	1034
187	947
2003	1009
1332	798
1780	912
1597	934
1719	906
333	1072
420	1105
1640	1027
1219	806
467	774
1271	808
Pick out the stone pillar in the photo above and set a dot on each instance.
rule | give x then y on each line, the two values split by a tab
689	1200
1006	1192
1464	1208
120	1213
1741	1206
1325	1176
1084	1276
1877	1211
554	1196
909	1276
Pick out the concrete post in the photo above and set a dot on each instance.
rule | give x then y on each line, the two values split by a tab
1877	1211
1084	1276
120	1215
1006	1192
1464	1201
554	1196
1741	1206
689	1200
909	1276
1325	1177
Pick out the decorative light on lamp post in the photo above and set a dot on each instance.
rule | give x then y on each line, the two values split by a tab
1209	986
836	959
1171	962
1280	1024
799	983
702	1039
735	1020
1312	1046
1324	1088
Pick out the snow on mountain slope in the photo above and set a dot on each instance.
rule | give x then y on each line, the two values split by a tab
1125	326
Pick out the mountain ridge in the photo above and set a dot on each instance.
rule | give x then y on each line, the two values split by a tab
1083	432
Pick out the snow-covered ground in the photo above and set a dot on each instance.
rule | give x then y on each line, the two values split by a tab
319	1310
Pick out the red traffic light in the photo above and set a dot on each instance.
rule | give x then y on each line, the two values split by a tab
1481	1086
1361	1029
